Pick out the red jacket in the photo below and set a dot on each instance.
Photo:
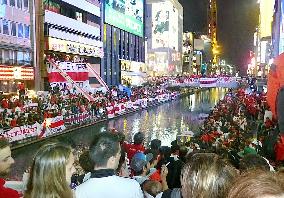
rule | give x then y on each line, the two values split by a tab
7	192
132	149
279	149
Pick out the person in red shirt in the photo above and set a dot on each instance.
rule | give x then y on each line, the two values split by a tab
132	149
6	161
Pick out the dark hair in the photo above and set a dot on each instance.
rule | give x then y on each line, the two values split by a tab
257	182
138	138
104	146
155	154
138	173
253	161
86	162
165	153
175	148
4	143
155	144
206	175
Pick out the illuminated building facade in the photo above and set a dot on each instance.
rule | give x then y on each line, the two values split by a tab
164	36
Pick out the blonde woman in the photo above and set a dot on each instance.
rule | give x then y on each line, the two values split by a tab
51	172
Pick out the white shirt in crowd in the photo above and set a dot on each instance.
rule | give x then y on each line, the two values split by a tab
107	187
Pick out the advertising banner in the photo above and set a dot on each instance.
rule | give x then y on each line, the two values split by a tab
160	25
71	47
126	15
164	25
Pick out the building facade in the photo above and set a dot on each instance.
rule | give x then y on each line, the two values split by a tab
72	37
164	33
124	45
16	66
187	53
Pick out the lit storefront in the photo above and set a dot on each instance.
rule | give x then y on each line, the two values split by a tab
133	73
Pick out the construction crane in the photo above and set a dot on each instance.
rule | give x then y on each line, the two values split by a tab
212	32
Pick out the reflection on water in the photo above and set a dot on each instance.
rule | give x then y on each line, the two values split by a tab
163	122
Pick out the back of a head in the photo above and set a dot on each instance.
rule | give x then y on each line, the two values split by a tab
156	144
86	162
104	146
258	184
153	188
206	175
175	148
48	172
253	161
138	138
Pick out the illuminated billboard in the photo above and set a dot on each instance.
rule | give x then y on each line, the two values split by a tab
164	25
266	17
126	15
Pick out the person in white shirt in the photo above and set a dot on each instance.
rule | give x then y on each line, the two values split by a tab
105	154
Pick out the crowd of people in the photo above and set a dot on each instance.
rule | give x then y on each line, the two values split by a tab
16	111
231	157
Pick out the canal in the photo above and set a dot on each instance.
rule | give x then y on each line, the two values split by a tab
163	122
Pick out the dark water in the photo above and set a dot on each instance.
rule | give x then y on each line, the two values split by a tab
163	122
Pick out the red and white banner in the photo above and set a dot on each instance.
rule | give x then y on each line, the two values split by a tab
208	82
110	112
22	132
52	126
77	72
19	73
75	119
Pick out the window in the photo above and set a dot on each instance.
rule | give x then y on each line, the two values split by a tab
20	30
19	4
4	2
26	4
1	57
20	58
6	57
5	27
12	3
27	31
27	58
13	28
13	57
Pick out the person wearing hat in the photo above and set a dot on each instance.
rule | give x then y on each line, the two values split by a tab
140	165
137	146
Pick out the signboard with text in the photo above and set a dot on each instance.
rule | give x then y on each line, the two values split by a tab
71	47
126	15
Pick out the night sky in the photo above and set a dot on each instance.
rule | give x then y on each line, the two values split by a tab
237	20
